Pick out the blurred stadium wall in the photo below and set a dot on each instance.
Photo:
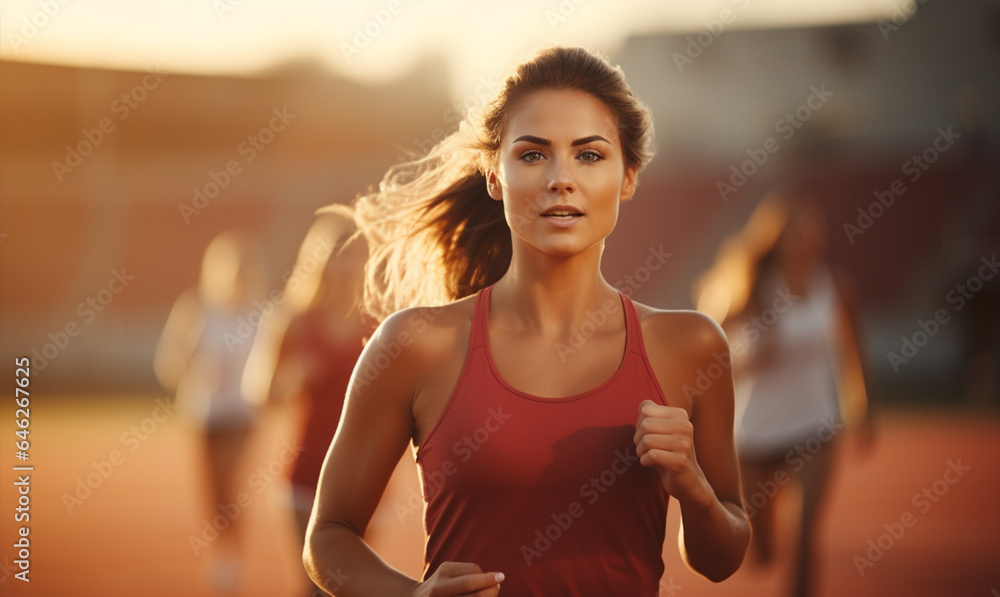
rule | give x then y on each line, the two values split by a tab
886	93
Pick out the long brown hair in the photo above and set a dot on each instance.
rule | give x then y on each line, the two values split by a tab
434	233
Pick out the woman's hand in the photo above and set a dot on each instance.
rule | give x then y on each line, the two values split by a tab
664	439
460	579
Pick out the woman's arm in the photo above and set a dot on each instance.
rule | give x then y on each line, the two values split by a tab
375	429
694	450
174	348
274	369
853	392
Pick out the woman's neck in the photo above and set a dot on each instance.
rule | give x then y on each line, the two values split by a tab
552	295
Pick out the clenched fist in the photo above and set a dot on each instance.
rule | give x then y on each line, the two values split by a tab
664	440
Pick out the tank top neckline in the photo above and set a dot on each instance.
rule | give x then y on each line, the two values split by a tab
481	310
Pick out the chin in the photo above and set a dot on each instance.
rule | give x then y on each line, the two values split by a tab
565	249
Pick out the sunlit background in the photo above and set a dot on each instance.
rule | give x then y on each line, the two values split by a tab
133	132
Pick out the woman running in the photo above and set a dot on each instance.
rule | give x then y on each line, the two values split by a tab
545	408
792	322
305	351
200	358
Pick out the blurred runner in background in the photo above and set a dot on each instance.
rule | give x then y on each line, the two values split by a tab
792	326
200	358
307	349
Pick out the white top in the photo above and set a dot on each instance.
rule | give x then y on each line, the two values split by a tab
210	392
786	401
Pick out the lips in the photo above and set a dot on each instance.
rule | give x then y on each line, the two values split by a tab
563	212
562	216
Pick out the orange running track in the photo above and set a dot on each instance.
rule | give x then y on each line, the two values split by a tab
131	535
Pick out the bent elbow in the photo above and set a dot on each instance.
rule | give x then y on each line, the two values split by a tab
309	559
326	547
717	570
718	567
720	574
315	551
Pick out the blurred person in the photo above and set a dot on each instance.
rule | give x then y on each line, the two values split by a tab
306	350
200	358
547	463
792	324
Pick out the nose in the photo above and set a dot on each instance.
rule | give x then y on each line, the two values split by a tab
561	179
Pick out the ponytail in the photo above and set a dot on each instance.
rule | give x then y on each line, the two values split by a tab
434	233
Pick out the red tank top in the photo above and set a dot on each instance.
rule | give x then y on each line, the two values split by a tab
548	491
323	393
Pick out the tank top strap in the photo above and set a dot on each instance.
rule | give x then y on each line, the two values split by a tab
478	337
633	331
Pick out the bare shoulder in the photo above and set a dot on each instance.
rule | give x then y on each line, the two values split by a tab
683	345
419	354
423	332
681	330
418	343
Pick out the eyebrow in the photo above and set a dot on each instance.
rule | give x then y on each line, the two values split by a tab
546	142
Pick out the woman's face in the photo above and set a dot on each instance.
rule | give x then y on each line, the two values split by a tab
561	172
801	243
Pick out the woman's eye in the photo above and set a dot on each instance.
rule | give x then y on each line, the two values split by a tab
591	156
532	155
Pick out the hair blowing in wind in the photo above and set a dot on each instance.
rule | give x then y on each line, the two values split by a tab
434	233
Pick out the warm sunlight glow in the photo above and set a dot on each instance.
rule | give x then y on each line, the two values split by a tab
372	40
